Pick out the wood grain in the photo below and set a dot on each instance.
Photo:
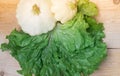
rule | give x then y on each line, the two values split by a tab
109	14
7	15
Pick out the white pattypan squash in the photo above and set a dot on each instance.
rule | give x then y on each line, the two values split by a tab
64	10
35	16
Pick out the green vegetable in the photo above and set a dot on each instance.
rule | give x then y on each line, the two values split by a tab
75	48
89	9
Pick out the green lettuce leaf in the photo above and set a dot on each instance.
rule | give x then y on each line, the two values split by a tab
89	9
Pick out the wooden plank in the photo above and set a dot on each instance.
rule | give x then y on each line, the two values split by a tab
110	67
7	15
8	65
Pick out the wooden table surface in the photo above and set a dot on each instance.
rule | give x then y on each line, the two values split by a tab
109	14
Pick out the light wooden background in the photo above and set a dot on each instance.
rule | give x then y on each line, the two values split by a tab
109	14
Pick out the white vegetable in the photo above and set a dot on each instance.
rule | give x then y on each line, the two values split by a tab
35	16
64	10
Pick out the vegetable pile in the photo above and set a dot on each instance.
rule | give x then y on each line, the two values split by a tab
74	47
